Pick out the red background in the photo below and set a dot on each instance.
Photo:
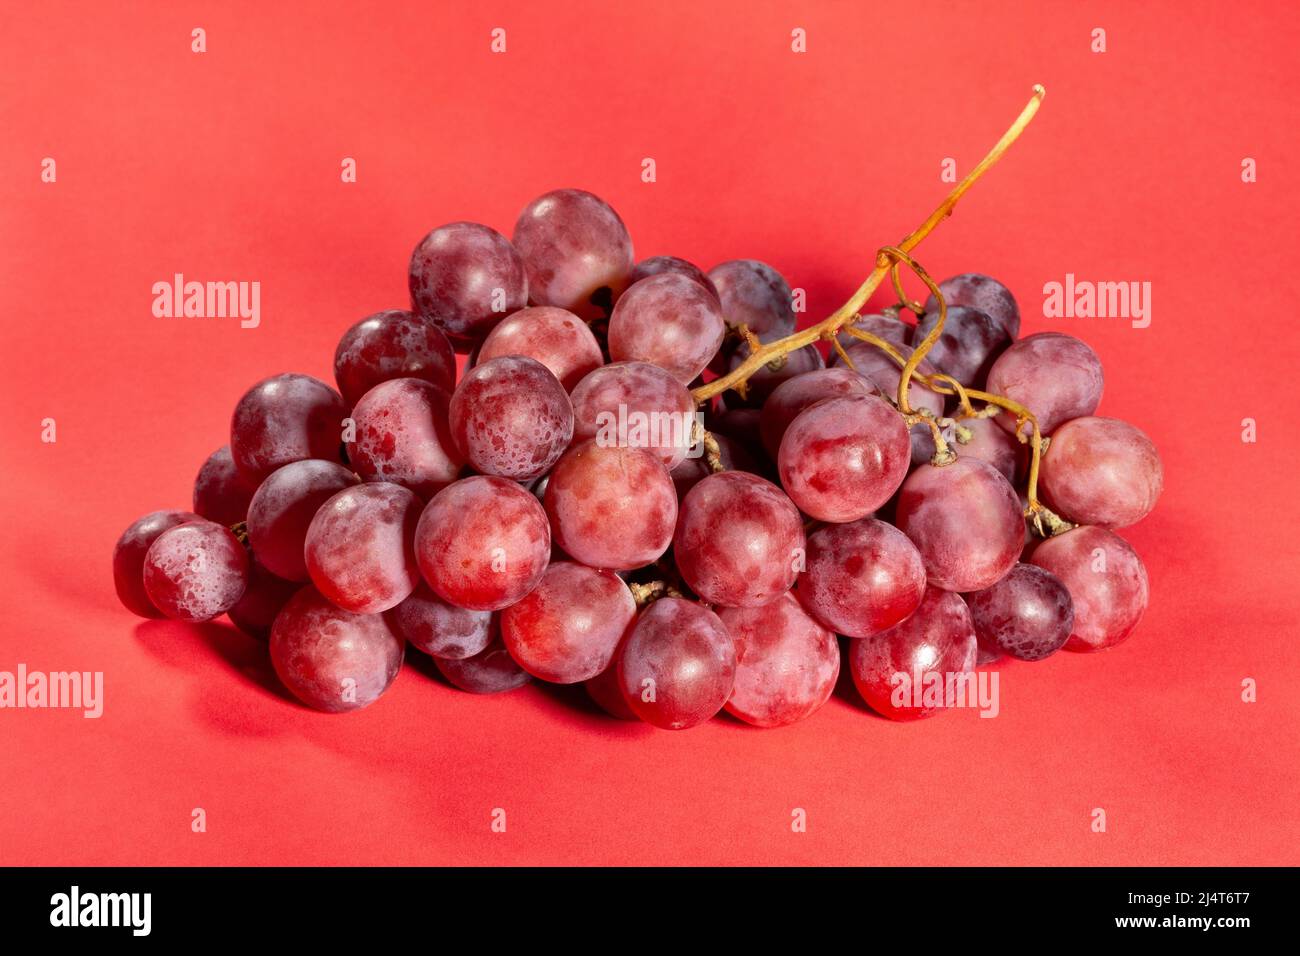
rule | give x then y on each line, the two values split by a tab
225	166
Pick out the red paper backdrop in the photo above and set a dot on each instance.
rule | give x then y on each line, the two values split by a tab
225	165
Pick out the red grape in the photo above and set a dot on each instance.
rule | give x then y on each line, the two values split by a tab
555	337
965	519
282	419
842	458
893	669
282	509
678	666
794	395
388	345
880	371
1028	614
1107	583
611	507
992	444
360	547
787	663
465	278
755	295
657	264
691	471
970	343
491	671
511	417
402	436
483	543
220	493
980	292
1055	376
862	577
604	690
567	628
667	320
765	381
441	629
266	594
128	558
577	251
739	540
195	571
331	659
890	328
1101	471
657	409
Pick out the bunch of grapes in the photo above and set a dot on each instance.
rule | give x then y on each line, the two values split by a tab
511	526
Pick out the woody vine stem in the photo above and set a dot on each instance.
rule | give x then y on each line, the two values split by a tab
889	259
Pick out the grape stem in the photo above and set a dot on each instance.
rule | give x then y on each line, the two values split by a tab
888	261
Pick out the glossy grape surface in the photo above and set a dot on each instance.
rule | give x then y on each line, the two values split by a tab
492	671
195	571
128	558
793	396
282	509
221	494
440	629
1101	471
669	320
511	417
861	578
555	337
755	295
465	277
402	435
656	409
1107	583
1055	376
360	547
881	372
283	419
388	345
1027	615
982	292
657	264
970	343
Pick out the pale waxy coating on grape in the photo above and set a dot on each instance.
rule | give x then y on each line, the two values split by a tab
1107	582
861	578
678	665
755	295
787	663
128	558
611	507
667	320
891	669
657	264
263	599
331	659
965	519
402	435
360	547
555	337
221	494
492	671
842	458
794	395
576	250
465	277
283	419
483	543
739	540
1055	376
282	509
1101	471
1027	615
970	343
982	292
388	345
440	629
567	629
637	394
195	571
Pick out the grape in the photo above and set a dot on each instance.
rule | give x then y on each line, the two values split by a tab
282	509
794	395
1107	583
880	371
890	328
657	409
511	417
360	547
555	337
128	558
787	662
678	666
195	571
691	471
970	343
893	668
604	690
842	458
402	436
765	381
388	345
738	540
658	264
489	672
441	629
611	507
283	419
743	425
992	444
755	295
220	493
861	578
1055	376
567	628
1027	615
483	543
266	594
1101	471
331	659
980	292
966	521
667	320
577	252
465	278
